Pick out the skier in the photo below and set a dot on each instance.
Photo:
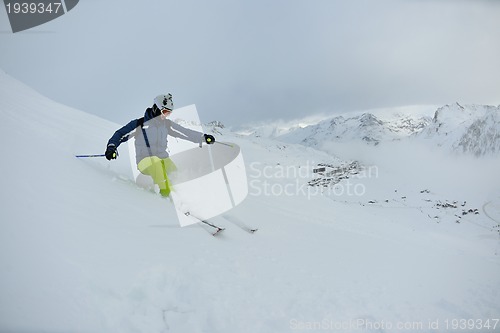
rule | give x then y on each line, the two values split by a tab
151	141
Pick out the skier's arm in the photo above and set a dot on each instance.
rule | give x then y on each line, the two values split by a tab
122	134
178	131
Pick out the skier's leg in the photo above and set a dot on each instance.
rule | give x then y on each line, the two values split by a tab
165	183
167	167
158	169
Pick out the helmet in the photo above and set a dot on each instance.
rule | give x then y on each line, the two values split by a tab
164	102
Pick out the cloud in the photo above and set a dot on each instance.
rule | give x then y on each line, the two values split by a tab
260	60
399	162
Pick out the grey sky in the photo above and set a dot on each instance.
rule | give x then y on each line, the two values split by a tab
251	61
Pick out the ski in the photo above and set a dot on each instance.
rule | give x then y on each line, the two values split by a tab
240	224
210	227
213	226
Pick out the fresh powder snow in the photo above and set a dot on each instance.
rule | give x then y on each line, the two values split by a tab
390	238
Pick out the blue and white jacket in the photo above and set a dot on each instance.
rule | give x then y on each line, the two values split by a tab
157	131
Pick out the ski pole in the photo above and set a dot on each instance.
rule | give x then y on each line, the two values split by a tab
82	156
225	144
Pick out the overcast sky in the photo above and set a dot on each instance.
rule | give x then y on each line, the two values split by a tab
260	60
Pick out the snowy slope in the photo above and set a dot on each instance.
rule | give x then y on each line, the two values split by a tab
84	250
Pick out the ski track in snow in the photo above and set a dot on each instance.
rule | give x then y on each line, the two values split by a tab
82	248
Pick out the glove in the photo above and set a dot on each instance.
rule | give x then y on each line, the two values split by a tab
111	152
209	139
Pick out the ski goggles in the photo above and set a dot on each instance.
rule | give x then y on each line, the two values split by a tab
165	111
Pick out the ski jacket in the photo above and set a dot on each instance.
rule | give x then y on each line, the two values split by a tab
151	135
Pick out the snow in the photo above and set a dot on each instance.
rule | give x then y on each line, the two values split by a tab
473	129
470	129
291	131
373	128
83	249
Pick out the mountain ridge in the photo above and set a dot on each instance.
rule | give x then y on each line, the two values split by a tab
469	129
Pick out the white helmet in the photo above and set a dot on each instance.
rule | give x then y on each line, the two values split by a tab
164	102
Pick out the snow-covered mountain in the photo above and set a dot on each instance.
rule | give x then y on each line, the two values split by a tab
366	127
471	129
394	244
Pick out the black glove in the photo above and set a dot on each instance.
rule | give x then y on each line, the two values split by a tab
111	152
209	139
